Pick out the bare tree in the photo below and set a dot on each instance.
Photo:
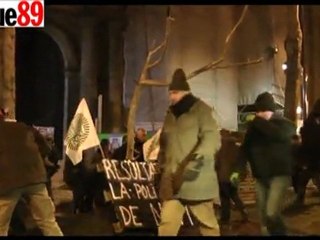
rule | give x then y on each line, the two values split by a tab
144	81
216	63
150	92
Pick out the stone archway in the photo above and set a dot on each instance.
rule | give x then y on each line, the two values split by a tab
68	75
39	81
71	71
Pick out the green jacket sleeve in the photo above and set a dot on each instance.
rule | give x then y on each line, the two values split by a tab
209	135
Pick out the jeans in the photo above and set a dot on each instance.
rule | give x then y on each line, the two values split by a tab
270	196
41	207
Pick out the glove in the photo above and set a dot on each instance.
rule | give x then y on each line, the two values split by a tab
191	174
234	178
196	157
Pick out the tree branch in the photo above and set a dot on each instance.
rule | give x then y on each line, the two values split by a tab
144	81
244	11
226	45
162	45
155	83
240	64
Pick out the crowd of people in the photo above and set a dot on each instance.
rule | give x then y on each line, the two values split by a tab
198	161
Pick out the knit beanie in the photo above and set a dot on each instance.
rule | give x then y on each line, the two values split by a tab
179	81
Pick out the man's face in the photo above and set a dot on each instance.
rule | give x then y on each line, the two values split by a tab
175	96
266	114
106	148
141	135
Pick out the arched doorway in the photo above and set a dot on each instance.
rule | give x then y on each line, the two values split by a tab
40	81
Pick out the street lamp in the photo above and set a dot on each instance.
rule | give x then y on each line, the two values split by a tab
284	66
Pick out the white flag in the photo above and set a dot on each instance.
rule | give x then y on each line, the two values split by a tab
151	147
81	134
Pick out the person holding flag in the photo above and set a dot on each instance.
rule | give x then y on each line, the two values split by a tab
81	138
81	134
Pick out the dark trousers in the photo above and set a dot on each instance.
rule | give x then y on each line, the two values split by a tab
83	196
300	180
229	192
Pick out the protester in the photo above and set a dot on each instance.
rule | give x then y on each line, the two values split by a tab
188	143
23	175
225	165
268	148
310	151
139	140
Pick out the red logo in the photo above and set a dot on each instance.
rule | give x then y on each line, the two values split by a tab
25	13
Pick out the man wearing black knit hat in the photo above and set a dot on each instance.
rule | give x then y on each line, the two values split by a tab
188	143
268	148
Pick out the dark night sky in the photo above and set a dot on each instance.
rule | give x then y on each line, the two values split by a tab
39	81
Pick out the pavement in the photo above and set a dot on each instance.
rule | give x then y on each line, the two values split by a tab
302	222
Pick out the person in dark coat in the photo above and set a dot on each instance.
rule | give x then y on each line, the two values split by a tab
225	165
17	224
309	154
101	183
23	175
47	154
268	148
52	165
139	140
99	177
80	178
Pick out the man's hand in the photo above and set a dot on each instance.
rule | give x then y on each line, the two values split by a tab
196	157
234	178
48	163
191	173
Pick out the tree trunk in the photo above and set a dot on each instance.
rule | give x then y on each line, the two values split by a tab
7	70
311	48
294	72
132	120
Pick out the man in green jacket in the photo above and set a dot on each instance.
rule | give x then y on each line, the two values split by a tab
268	148
23	175
189	133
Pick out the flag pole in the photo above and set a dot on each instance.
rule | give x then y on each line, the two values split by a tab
102	153
99	166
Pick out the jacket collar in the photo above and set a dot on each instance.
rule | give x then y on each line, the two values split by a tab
183	106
